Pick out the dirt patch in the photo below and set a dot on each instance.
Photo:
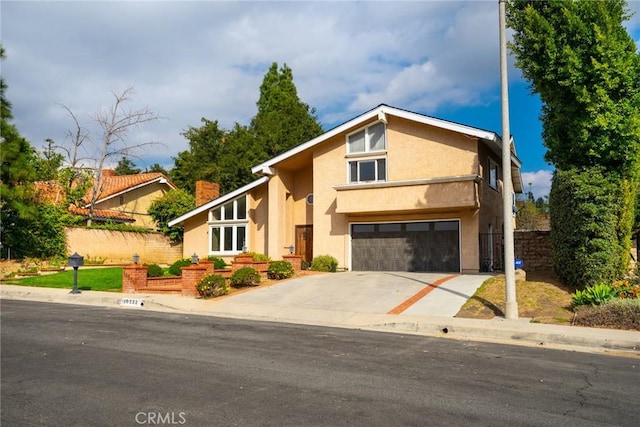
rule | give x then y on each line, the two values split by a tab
540	297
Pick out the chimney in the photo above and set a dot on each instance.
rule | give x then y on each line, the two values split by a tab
108	173
206	192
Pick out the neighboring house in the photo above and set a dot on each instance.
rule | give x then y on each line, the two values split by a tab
121	198
389	190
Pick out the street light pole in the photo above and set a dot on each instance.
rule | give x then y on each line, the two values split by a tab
511	306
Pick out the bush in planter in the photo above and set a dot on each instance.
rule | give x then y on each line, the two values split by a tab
258	257
175	269
212	285
324	263
218	263
280	270
245	276
154	270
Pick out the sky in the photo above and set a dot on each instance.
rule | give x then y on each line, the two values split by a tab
193	59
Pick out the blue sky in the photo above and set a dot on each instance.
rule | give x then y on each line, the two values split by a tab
189	60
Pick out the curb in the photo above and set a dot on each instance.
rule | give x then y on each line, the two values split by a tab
499	330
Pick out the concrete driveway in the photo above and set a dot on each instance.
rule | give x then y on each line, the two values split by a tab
430	294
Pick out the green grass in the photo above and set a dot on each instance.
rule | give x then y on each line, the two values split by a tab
89	279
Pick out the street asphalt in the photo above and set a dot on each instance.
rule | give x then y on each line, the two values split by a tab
416	303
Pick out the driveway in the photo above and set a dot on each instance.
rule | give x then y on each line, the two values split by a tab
430	294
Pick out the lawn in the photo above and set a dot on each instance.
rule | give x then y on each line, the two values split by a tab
541	297
89	279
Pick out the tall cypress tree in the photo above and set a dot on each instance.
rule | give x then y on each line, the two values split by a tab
579	58
226	156
283	120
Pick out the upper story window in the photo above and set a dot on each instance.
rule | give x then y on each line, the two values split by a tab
493	174
369	170
366	153
368	140
233	210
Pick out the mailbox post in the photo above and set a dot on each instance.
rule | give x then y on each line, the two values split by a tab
75	261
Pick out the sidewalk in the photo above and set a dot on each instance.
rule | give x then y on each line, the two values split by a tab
516	332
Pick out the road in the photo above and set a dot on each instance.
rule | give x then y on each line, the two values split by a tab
80	365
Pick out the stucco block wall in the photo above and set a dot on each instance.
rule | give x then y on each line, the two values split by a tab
120	246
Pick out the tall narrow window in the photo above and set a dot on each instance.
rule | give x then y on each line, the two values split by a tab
493	174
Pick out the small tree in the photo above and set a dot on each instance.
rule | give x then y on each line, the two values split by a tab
168	207
126	167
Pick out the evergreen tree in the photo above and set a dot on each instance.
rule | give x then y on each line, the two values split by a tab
226	156
17	174
126	167
283	120
579	58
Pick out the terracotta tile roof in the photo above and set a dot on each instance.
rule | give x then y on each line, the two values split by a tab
111	185
49	192
101	214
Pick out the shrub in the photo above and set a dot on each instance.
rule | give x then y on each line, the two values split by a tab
154	270
324	263
212	285
590	226
279	270
218	263
615	314
594	295
245	276
258	257
175	268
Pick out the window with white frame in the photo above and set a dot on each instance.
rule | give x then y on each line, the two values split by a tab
368	140
493	174
228	227
369	170
366	152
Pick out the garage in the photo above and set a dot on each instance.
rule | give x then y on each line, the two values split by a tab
432	246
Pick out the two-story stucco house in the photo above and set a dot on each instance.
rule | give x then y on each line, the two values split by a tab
389	190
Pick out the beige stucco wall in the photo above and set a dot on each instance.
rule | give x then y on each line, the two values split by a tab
196	235
120	246
136	203
417	151
258	202
490	198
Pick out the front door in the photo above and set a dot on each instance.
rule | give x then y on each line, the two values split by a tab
304	242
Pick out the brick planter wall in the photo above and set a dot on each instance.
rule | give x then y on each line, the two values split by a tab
295	260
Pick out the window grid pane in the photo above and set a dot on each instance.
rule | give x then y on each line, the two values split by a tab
240	237
241	208
382	169
356	142
376	137
215	239
367	170
228	239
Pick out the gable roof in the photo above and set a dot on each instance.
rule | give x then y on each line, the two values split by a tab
219	201
381	111
114	186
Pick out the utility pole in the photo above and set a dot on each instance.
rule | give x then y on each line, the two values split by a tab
511	310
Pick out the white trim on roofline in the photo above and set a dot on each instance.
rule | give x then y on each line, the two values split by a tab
380	112
159	179
218	201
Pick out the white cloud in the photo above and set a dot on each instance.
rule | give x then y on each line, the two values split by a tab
538	182
189	60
